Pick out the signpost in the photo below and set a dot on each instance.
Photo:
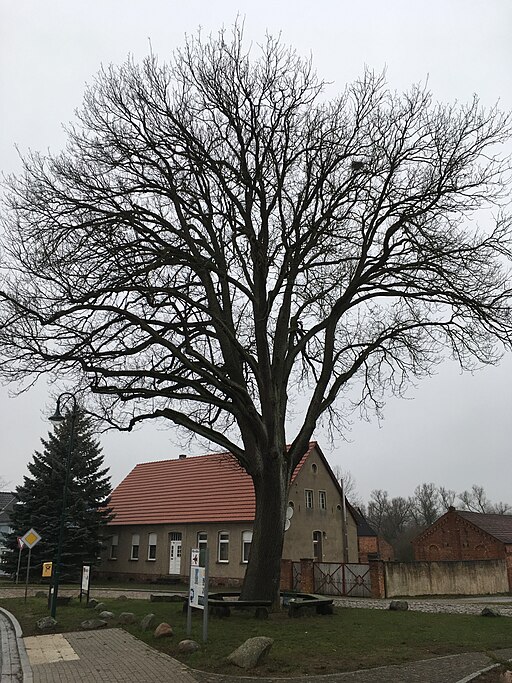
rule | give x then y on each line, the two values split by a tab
198	592
21	545
29	539
85	582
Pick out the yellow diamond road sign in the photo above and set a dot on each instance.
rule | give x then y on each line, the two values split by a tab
31	538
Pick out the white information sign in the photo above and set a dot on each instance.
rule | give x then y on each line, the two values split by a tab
197	581
86	574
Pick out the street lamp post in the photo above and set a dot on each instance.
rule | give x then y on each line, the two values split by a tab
58	417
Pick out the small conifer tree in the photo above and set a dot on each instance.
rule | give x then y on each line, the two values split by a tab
39	502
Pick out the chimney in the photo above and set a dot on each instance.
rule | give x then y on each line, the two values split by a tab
182	456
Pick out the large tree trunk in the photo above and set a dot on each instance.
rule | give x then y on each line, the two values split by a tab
264	568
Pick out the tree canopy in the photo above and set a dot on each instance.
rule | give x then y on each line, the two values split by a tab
220	244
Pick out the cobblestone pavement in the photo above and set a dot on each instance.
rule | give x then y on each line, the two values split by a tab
10	669
434	606
110	656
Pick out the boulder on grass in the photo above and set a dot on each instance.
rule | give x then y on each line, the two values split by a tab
163	630
126	618
41	594
490	612
399	605
46	623
188	646
251	653
147	621
92	603
99	606
108	616
92	624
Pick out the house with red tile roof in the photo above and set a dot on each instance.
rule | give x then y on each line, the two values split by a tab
462	535
165	508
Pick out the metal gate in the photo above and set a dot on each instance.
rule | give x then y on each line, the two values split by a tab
296	576
350	579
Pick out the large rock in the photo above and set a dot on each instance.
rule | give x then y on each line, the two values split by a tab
41	594
91	624
108	616
251	653
147	621
399	605
46	623
163	630
93	602
100	606
490	612
188	646
126	618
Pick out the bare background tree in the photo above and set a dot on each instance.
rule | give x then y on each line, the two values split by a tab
219	239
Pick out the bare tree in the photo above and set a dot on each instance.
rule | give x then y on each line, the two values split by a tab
447	497
349	485
476	501
389	516
425	504
218	239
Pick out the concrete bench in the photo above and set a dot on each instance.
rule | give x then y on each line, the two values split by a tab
221	604
305	603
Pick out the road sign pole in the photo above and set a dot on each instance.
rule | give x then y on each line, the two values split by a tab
19	565
28	573
189	600
205	611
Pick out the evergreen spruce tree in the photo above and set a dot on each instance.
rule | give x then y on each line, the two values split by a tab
39	502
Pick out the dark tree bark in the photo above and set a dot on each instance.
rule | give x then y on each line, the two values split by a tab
218	239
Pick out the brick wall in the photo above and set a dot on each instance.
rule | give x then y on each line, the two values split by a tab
372	545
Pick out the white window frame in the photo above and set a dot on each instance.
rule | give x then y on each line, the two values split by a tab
223	547
322	500
309	498
246	545
114	543
152	539
202	544
134	554
317	544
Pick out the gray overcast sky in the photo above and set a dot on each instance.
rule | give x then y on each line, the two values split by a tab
456	429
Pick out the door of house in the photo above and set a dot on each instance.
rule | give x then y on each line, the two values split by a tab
175	552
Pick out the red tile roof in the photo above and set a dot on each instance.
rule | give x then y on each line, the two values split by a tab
206	488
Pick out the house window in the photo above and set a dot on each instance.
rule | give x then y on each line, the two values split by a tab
246	545
114	542
317	545
202	544
308	493
223	551
134	555
152	546
322	500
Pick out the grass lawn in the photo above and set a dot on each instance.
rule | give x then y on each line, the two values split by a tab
347	640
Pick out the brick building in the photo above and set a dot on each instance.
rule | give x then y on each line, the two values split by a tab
460	535
369	543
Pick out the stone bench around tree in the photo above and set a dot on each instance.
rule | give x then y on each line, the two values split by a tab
305	603
221	604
